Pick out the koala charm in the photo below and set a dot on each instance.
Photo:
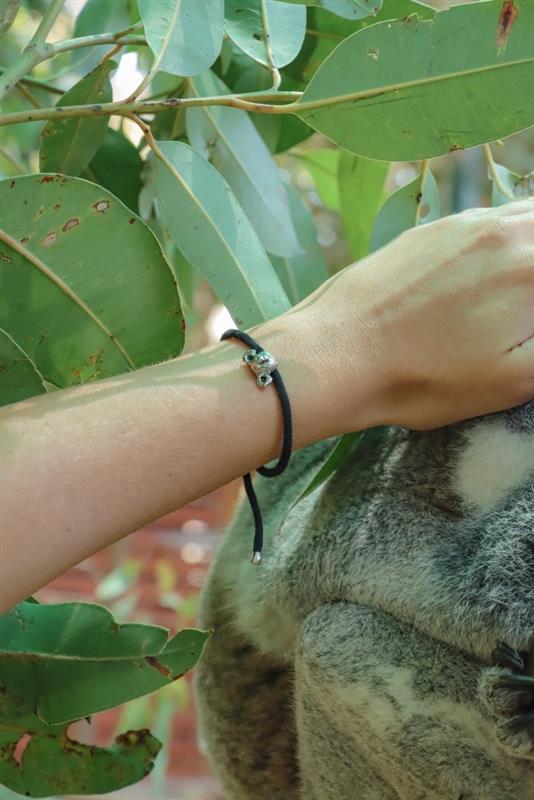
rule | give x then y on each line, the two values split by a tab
262	363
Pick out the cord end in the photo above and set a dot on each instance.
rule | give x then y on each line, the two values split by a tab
256	557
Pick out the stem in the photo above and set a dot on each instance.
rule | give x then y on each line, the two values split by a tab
501	188
28	95
46	24
273	69
97	39
422	178
38	51
246	101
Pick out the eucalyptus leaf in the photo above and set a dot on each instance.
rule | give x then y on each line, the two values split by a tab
230	140
185	35
18	373
397	90
99	16
361	192
8	12
350	9
211	229
46	650
117	166
413	204
516	186
322	163
248	23
87	292
68	145
302	274
72	767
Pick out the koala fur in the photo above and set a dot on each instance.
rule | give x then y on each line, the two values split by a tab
357	662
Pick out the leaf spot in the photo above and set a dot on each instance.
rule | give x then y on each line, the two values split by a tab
153	662
56	206
102	206
5	257
424	211
507	17
47	178
70	224
11	185
373	52
131	221
49	239
25	240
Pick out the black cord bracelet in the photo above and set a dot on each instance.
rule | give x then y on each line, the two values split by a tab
263	364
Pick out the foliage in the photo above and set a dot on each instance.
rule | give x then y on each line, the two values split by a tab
113	202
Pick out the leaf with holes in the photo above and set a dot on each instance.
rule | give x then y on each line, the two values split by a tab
517	187
72	767
184	35
228	137
211	229
413	204
87	292
46	649
249	22
302	274
68	145
412	89
361	192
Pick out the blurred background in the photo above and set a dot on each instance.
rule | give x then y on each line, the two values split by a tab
155	574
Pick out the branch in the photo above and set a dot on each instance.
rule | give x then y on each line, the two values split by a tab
501	188
38	51
246	101
46	24
273	69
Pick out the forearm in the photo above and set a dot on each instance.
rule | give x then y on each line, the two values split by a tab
82	467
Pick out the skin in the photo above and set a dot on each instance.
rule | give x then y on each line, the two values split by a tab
434	328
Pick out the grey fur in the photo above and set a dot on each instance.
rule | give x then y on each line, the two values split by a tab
356	661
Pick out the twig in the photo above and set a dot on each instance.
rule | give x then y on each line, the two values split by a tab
501	188
246	101
46	24
28	95
273	69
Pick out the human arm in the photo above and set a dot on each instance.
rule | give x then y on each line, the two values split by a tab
422	333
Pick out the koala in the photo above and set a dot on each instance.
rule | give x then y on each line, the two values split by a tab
384	647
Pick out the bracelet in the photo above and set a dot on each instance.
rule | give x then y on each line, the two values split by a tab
264	366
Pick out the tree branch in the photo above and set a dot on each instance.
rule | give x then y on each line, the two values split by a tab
247	102
46	24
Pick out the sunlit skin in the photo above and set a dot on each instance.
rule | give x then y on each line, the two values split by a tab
436	327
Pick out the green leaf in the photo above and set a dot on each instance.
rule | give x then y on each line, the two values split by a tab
8	12
302	274
413	204
210	228
350	9
322	164
72	767
99	16
184	35
68	145
336	454
398	90
517	186
46	650
286	25
87	292
18	373
117	166
230	140
361	192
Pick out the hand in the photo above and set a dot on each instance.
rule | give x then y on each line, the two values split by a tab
439	324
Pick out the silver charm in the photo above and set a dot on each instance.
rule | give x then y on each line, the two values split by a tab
262	363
